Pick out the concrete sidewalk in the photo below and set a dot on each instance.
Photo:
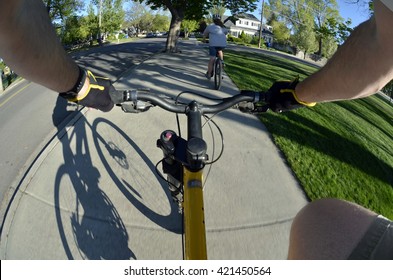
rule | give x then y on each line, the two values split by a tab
94	193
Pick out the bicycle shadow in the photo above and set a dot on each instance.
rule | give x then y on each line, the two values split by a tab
170	222
81	206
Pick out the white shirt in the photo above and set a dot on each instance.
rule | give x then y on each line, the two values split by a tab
217	35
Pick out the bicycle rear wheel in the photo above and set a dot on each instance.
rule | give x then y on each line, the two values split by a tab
217	73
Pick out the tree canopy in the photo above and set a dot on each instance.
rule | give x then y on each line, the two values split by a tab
312	20
61	9
308	25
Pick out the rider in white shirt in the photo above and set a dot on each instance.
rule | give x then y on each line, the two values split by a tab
217	42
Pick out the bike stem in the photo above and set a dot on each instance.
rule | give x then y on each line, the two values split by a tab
196	147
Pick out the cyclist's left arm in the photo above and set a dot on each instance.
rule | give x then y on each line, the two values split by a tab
360	67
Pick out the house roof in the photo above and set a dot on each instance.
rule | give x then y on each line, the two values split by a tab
234	18
247	16
230	22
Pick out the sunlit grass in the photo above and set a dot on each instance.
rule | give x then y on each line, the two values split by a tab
340	149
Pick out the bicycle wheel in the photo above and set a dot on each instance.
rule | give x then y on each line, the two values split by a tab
217	73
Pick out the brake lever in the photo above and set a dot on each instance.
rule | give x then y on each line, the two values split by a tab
252	108
261	109
135	106
246	107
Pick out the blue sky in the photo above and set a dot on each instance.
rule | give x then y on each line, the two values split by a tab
356	13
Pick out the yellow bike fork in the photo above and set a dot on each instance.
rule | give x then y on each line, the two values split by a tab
194	218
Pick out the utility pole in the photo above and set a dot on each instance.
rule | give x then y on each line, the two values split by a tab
261	27
99	21
1	81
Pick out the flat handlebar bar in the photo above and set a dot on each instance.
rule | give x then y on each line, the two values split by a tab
135	101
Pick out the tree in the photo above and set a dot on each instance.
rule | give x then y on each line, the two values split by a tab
142	19
321	15
334	29
160	23
281	31
193	10
329	47
343	31
74	30
61	9
112	15
323	10
134	17
91	20
146	22
189	26
305	40
295	13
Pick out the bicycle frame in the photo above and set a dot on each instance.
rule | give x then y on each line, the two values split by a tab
194	217
192	155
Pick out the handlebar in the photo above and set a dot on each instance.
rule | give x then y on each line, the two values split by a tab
135	101
194	153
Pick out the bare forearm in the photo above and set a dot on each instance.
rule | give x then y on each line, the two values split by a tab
28	44
361	67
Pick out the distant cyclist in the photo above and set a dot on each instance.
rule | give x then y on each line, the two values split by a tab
217	41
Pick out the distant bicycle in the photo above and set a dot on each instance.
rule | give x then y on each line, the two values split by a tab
218	71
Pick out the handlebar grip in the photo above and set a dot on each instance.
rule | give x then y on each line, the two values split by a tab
259	96
260	103
120	96
117	96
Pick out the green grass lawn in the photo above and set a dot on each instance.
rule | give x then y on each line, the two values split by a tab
340	149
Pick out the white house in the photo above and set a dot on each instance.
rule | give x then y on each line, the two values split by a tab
248	24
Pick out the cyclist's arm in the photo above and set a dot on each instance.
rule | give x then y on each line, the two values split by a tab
360	67
206	33
29	45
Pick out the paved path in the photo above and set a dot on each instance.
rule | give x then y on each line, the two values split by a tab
94	194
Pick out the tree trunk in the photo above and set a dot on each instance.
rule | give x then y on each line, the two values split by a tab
174	30
48	6
320	47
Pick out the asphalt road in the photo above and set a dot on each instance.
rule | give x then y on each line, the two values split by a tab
27	117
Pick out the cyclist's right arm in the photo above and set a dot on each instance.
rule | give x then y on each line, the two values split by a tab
361	66
206	33
29	45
